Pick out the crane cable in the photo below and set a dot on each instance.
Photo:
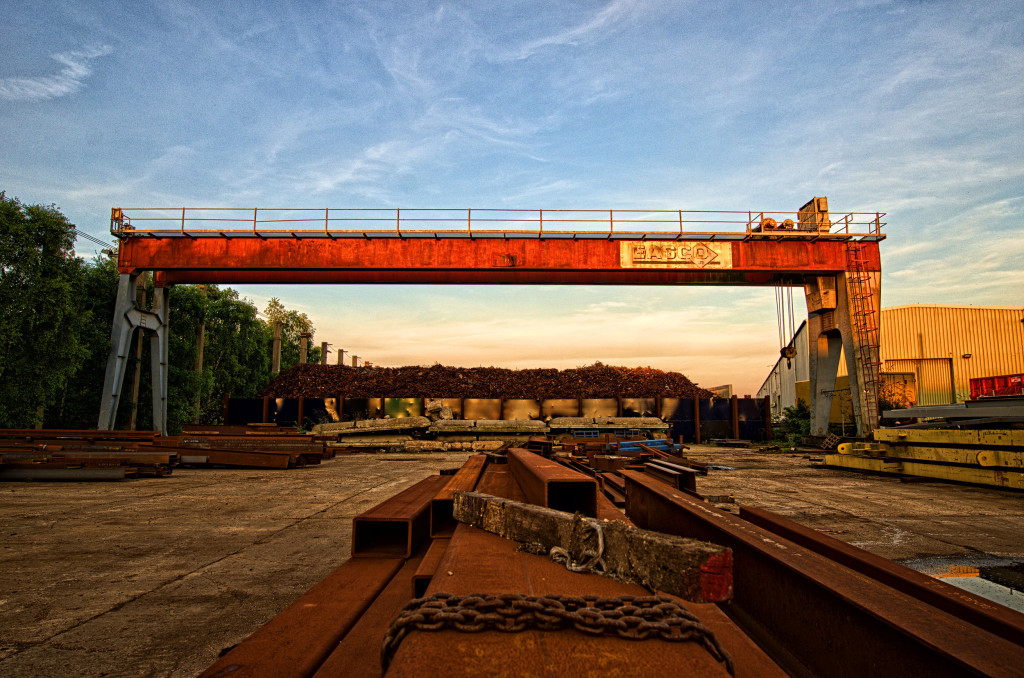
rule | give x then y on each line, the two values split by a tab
786	322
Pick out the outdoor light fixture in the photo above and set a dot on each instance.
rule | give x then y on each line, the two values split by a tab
965	356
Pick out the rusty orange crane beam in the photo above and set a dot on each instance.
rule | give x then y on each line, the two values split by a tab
835	257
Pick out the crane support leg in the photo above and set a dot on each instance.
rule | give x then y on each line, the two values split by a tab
129	317
842	314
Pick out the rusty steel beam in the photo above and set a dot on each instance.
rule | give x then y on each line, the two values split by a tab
679	477
298	640
424	574
547	483
818	617
465	479
981	612
239	458
358	652
396	526
447	260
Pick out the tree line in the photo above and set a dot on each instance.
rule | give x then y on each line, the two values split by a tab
56	310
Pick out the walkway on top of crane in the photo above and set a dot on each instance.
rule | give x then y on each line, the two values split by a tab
628	247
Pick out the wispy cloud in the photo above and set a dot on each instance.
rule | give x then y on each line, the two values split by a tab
608	16
77	67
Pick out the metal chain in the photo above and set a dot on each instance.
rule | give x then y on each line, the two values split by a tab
591	560
631	617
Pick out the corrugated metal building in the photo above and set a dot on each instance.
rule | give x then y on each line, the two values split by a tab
929	355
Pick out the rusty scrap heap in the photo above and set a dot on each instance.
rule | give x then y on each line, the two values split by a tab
439	381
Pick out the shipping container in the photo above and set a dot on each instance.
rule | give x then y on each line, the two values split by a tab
993	387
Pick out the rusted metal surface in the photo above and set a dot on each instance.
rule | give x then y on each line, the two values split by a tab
700	467
397	526
691	569
238	458
428	566
51	435
441	260
631	617
679	477
484	563
298	640
465	479
81	458
981	612
818	617
548	483
358	653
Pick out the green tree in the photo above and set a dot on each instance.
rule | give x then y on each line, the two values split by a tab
41	313
294	324
237	347
79	399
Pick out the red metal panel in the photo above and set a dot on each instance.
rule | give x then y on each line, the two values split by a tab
451	260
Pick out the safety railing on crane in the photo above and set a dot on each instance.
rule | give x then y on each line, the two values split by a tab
612	224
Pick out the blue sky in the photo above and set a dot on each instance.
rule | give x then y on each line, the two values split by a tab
909	108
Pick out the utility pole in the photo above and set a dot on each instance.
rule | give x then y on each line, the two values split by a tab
275	361
341	357
355	361
323	352
303	346
198	367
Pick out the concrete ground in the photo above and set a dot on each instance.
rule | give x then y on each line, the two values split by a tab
154	577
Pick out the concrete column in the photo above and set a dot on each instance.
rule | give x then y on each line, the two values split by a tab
275	360
355	361
824	344
341	357
323	353
828	331
304	346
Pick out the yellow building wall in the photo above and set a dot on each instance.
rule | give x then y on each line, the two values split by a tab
842	407
947	346
930	342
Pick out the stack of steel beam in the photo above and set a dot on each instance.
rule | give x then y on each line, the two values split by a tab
51	454
59	454
792	602
981	457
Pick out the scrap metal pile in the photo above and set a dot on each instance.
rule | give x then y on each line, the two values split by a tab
518	565
439	381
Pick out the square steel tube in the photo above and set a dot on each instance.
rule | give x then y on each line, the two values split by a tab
548	483
397	526
465	479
